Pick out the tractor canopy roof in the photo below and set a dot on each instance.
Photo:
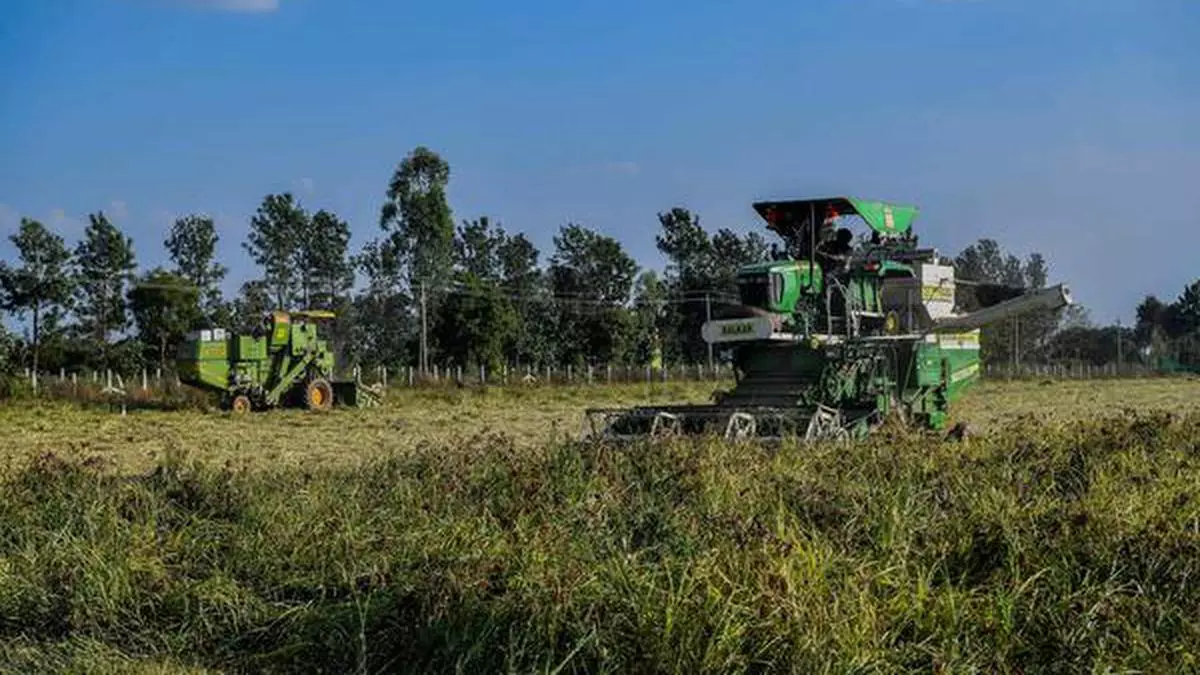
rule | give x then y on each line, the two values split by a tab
787	217
313	314
281	316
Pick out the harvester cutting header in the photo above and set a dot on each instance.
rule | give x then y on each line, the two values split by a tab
837	332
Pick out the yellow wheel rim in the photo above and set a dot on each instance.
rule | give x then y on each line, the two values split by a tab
241	404
891	324
317	397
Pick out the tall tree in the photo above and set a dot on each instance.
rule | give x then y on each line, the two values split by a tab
418	238
105	264
418	219
730	252
477	247
328	272
701	273
383	329
687	247
649	299
251	305
192	246
525	283
41	287
1096	345
477	321
1021	337
275	240
165	306
592	278
689	273
1184	318
1154	324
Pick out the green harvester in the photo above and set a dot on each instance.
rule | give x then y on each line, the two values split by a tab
838	333
285	362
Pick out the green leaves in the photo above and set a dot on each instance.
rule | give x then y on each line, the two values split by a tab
304	257
42	284
1025	337
192	246
417	216
329	274
276	232
252	303
698	265
591	277
165	306
476	323
105	264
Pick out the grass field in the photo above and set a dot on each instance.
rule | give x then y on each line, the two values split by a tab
527	417
463	531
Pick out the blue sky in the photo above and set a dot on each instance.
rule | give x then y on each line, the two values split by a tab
1062	126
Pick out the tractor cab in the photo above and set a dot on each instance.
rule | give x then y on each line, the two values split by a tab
821	252
820	230
844	263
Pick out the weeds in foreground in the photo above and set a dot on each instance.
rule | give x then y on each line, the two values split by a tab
1064	550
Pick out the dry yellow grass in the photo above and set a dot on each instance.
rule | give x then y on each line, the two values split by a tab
993	405
138	440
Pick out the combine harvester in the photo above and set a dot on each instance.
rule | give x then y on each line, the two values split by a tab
834	336
284	363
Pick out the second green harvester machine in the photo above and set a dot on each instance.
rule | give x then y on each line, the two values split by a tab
836	334
285	362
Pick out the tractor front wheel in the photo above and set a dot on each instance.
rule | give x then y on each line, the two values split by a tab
318	395
240	404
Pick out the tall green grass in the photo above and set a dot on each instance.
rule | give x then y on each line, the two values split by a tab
1072	549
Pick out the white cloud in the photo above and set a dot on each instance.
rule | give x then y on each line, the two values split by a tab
118	210
64	224
247	6
164	217
625	168
9	219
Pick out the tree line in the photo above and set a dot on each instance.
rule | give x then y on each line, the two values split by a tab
427	290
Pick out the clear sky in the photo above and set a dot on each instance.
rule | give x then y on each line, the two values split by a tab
1068	127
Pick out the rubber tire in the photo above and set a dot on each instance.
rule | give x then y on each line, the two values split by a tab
240	404
318	395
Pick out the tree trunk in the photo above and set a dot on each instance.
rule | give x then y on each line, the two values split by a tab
37	311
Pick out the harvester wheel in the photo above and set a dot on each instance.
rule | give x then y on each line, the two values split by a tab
240	404
318	395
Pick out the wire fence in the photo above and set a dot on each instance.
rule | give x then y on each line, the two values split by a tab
1070	371
147	382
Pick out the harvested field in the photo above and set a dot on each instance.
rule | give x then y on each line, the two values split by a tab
534	416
